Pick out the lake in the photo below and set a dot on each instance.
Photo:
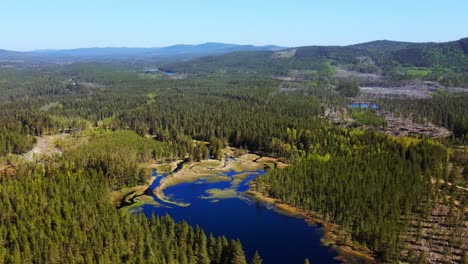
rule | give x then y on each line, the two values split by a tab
227	211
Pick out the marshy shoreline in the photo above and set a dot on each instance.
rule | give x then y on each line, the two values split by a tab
347	252
190	172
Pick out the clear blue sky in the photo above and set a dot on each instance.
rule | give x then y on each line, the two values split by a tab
42	24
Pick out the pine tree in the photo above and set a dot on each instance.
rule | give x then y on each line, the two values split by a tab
211	246
237	255
201	252
256	259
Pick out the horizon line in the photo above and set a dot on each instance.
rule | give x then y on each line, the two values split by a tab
226	43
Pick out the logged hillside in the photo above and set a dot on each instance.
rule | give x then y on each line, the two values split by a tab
392	53
444	62
451	54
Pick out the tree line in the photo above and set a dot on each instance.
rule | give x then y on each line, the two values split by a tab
365	182
57	215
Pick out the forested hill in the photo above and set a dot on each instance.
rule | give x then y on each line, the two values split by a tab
386	45
383	57
15	56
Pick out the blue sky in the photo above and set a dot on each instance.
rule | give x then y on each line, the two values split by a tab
42	24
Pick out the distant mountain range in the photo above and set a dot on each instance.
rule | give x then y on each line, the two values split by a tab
382	56
113	53
376	56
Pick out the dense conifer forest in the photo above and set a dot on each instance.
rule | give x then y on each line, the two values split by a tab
376	187
363	181
61	216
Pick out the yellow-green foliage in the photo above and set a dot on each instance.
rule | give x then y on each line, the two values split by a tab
151	98
368	117
416	72
50	216
367	183
321	158
406	141
115	155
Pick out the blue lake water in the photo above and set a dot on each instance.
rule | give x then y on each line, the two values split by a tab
363	106
277	237
168	72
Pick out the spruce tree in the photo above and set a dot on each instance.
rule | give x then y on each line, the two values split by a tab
237	255
256	259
